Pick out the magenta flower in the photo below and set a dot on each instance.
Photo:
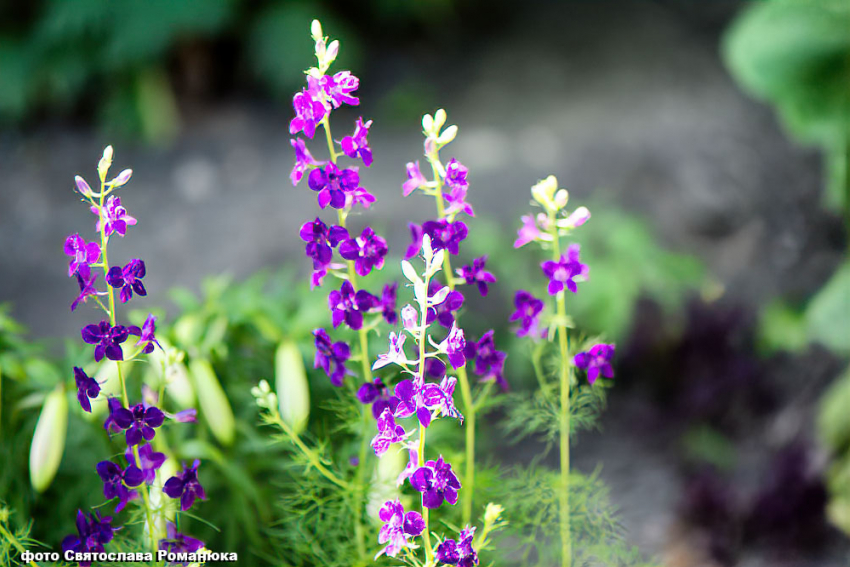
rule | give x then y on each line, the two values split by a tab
332	184
359	196
339	87
303	160
321	240
453	345
151	461
458	186
116	481
460	552
348	306
396	353
440	397
107	338
528	310
147	334
596	361
388	433
114	217
489	362
309	109
444	311
185	486
528	233
367	250
399	528
377	394
562	272
355	146
128	279
437	483
85	279
175	542
92	534
331	357
476	274
415	179
445	235
388	303
81	253
410	401
86	388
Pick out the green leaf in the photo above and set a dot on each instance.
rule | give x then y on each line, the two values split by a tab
828	314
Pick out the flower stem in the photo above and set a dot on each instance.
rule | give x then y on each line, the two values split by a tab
311	455
14	541
423	331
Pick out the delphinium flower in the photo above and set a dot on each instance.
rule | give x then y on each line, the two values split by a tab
356	145
185	486
112	217
140	422
128	279
303	161
321	240
527	312
348	305
458	186
415	179
175	542
476	274
309	109
444	312
116	482
377	394
331	356
389	432
146	334
437	483
150	461
596	361
395	355
86	280
562	272
460	552
107	338
93	532
399	528
82	253
388	301
367	251
489	362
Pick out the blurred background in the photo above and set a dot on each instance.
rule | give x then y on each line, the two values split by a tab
710	140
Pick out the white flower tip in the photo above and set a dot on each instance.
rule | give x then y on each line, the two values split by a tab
316	30
439	119
427	251
409	271
561	198
427	124
122	178
448	135
82	186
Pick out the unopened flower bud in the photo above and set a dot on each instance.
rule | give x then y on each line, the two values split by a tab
561	198
448	135
492	513
105	163
48	441
544	192
82	186
122	178
316	30
333	50
439	119
409	317
213	401
427	124
578	217
292	387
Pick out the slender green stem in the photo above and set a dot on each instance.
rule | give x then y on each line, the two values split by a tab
311	455
14	541
423	330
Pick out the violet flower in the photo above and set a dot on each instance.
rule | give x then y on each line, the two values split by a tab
139	421
348	306
388	303
454	345
529	232
411	401
489	362
339	87
110	424
460	552
85	279
415	179
175	542
86	388
458	186
445	235
399	528
444	311
113	217
81	253
410	468
476	274
107	338
416	241
332	184
128	279
309	109
367	250
528	310
116	482
377	394
596	361
562	272
146	334
440	397
437	483
388	433
396	353
321	240
303	160
435	368
356	145
93	532
185	486
331	357
150	461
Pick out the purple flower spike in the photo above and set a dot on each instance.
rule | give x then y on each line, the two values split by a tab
309	109
93	532
321	240
562	272
356	145
596	361
85	279
331	357
528	310
128	279
81	253
139	421
185	486
459	552
458	186
175	542
107	338
116	481
303	160
348	306
367	250
86	388
146	334
436	482
339	87
528	233
415	179
410	401
113	217
388	433
489	362
476	274
151	461
398	529
332	184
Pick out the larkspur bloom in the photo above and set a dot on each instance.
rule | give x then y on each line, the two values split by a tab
359	196
460	552
434	367
113	217
117	481
356	145
388	302
128	279
444	311
445	235
110	424
596	361
440	397
85	279
528	233
399	528
175	542
409	318
415	179
331	357
562	272
389	432
309	109
377	394
321	240
396	353
454	345
349	306
146	334
333	184
304	160
93	532
577	218
458	186
527	312
476	274
107	338
82	253
367	251
410	401
139	421
437	483
86	388
150	461
489	362
185	486
339	87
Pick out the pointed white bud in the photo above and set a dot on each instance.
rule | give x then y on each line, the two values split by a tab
440	296
448	135
409	318
439	119
427	124
82	186
316	30
409	272
105	163
122	178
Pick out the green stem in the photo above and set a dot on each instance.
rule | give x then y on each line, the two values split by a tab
423	329
311	455
15	543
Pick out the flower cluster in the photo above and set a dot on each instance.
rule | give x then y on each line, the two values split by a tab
137	422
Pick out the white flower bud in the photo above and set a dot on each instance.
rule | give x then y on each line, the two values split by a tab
561	198
410	272
427	124
105	163
439	119
409	318
440	296
448	135
332	52
122	178
544	192
48	441
316	30
82	186
292	387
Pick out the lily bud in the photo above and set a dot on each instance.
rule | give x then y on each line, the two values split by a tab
213	401
293	392
48	441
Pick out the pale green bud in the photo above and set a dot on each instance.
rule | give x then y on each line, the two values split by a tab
213	401
427	124
544	193
48	441
383	486
439	119
492	513
122	178
105	163
292	387
316	30
448	135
